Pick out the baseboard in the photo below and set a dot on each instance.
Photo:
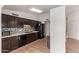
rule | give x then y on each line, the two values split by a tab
72	37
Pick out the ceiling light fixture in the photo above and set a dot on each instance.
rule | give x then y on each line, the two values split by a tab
36	10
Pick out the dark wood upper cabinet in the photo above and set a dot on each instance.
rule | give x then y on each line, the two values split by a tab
12	22
19	22
9	21
5	20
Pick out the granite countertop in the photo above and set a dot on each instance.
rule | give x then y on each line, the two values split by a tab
17	34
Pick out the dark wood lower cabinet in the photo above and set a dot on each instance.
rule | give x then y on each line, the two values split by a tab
14	42
11	43
22	40
32	37
26	39
5	45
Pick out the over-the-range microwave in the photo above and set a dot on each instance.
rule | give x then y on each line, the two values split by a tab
5	33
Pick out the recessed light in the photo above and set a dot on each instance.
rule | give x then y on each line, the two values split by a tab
36	10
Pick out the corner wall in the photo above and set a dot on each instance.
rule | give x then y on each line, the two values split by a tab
0	26
43	18
72	22
57	30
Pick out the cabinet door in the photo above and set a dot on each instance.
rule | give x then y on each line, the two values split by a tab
5	20
19	22
5	45
9	44
9	21
12	22
14	43
22	40
31	37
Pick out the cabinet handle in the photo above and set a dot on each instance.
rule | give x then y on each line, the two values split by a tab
18	38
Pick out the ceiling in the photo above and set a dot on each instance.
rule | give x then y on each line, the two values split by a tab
24	8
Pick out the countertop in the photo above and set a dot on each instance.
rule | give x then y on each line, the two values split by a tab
17	34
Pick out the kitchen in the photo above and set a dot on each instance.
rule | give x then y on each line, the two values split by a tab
18	31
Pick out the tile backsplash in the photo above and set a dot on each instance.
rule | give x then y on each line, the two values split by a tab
13	30
17	30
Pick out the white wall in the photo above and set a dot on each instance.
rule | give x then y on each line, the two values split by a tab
43	18
47	28
57	29
0	26
21	14
73	22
